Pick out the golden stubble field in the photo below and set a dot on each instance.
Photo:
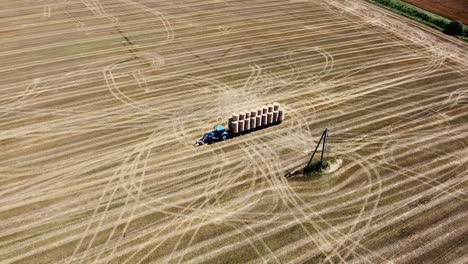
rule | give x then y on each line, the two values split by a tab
101	102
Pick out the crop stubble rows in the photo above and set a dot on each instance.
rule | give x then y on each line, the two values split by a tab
102	101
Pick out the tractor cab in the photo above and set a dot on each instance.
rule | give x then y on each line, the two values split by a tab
219	133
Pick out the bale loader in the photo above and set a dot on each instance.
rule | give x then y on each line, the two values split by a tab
244	122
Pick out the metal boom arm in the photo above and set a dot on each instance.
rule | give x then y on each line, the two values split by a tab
324	137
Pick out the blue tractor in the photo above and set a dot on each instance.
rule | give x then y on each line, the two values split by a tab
219	133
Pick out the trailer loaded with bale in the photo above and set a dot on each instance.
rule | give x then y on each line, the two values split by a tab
245	122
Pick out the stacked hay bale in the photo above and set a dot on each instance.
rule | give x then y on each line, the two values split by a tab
258	118
247	121
241	122
234	123
264	115
254	119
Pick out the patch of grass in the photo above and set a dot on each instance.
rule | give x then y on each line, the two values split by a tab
413	12
314	169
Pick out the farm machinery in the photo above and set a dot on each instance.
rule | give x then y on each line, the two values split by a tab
244	122
218	134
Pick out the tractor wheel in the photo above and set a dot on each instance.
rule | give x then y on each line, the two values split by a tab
224	138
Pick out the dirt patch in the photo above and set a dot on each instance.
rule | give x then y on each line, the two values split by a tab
452	9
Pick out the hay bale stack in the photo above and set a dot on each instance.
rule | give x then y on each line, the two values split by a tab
257	118
234	117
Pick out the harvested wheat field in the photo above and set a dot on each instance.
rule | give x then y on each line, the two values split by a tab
101	102
453	9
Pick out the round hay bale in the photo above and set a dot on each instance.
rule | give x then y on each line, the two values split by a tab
241	126
241	116
275	117
280	116
270	108
235	127
247	125
276	106
253	123
264	120
269	118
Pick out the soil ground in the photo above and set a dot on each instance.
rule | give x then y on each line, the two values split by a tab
102	100
452	9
